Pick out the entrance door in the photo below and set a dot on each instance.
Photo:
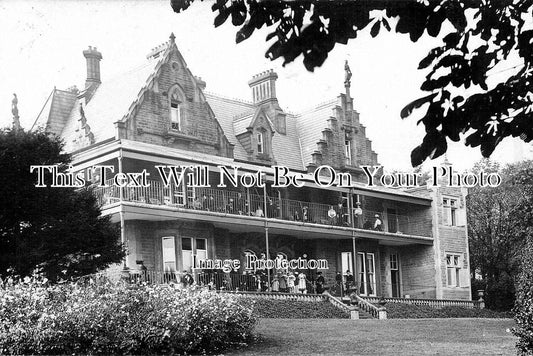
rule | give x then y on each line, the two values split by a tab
366	273
395	275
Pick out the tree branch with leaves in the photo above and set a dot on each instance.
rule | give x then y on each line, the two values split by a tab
483	34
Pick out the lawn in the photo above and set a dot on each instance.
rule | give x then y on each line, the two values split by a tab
382	337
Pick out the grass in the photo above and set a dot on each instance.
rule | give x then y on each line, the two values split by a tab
382	337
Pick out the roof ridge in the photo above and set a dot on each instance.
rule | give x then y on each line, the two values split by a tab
318	106
133	69
224	97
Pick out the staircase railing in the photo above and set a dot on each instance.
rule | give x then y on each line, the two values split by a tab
375	311
350	309
434	303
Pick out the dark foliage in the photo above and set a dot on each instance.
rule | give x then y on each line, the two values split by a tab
499	221
524	304
484	33
290	309
57	231
406	311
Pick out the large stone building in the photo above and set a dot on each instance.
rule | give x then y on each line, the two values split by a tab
160	114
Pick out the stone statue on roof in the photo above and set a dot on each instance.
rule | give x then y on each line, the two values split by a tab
347	74
15	112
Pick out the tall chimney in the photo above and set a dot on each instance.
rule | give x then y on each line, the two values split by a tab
263	86
93	58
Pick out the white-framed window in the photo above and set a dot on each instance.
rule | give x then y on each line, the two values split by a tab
453	269
348	151
449	210
192	250
260	143
169	253
367	273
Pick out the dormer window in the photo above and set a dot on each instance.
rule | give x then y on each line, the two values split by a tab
260	143
175	114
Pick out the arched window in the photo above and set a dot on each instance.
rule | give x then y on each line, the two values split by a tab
176	109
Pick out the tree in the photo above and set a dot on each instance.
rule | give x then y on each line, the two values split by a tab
483	34
58	231
498	229
524	304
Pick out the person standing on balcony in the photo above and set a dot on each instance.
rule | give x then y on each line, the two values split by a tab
378	224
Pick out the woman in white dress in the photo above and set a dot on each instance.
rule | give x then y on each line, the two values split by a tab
302	287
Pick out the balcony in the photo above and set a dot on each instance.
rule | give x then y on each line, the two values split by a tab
246	204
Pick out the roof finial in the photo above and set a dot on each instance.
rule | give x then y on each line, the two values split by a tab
172	38
15	112
347	74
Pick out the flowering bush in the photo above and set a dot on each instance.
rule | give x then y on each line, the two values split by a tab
36	318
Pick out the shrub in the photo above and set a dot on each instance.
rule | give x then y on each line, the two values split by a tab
274	308
409	311
524	304
118	319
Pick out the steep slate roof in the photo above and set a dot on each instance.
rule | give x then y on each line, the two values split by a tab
56	111
110	103
310	124
225	110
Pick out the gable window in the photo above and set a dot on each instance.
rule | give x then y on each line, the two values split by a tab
450	206
348	152
453	269
260	143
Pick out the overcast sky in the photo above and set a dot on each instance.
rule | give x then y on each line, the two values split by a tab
42	42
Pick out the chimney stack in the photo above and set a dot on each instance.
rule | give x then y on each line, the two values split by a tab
263	86
93	58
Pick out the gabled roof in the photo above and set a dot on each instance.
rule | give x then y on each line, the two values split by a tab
116	100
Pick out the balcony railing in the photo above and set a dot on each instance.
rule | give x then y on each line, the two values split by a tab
247	204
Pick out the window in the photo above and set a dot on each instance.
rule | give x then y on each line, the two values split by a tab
176	105
175	115
449	206
260	143
453	269
367	273
348	151
193	250
394	261
169	254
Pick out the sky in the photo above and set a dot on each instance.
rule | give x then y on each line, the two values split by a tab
42	42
